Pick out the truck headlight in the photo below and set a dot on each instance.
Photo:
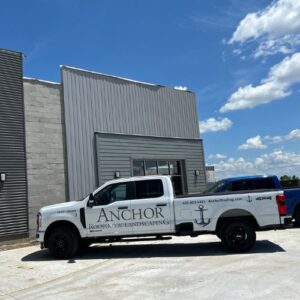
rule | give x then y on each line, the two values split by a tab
39	220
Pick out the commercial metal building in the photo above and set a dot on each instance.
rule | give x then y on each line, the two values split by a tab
91	128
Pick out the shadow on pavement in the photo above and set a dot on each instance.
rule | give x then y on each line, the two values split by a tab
118	251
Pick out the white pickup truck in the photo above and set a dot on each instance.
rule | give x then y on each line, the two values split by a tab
146	206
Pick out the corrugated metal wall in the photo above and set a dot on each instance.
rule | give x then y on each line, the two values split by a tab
13	192
101	103
115	153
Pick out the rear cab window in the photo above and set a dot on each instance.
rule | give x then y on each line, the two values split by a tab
240	185
252	184
264	184
152	188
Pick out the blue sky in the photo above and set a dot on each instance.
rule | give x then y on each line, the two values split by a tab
241	58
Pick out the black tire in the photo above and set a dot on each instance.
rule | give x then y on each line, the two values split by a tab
297	216
238	236
63	242
84	245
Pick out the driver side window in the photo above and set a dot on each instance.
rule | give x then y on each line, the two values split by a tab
112	193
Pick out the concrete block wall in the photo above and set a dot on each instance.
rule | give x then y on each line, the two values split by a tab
44	124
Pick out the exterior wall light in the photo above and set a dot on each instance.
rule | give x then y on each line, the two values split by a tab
197	173
117	174
2	177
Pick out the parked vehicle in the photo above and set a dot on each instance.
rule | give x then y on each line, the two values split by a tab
248	183
146	206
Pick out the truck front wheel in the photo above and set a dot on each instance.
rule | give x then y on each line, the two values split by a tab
238	236
63	242
84	245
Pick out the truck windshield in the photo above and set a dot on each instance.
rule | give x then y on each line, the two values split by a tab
215	187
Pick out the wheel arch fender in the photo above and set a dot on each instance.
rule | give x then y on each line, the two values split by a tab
236	214
60	223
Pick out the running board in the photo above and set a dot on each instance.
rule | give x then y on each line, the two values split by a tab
145	239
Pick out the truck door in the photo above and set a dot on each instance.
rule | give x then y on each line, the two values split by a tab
111	214
151	208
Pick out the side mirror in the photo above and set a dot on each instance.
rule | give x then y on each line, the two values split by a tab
91	201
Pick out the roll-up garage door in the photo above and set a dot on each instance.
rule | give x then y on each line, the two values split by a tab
13	186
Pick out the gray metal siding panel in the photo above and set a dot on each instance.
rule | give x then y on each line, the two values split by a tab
100	103
115	152
13	192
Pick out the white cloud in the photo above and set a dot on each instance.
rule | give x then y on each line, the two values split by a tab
293	135
217	156
250	96
213	125
278	19
237	51
285	45
286	72
258	161
277	162
274	139
259	142
276	86
234	167
181	88
253	143
275	28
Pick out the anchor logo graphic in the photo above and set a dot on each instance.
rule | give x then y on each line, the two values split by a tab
202	221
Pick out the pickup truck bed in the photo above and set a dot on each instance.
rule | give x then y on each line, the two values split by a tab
206	210
261	183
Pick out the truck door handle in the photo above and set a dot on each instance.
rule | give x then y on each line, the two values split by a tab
161	204
123	207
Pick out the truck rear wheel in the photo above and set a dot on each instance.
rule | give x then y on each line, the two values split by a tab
297	216
238	236
63	242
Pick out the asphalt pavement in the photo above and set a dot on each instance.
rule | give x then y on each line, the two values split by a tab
181	268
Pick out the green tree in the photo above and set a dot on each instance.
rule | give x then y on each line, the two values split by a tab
290	181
